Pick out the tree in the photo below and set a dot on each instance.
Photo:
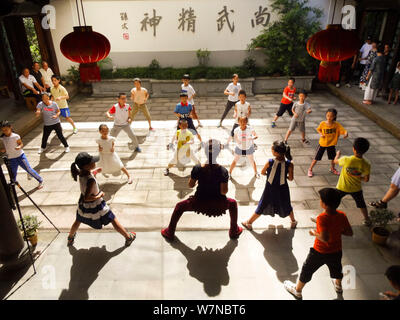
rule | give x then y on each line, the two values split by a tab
284	42
32	39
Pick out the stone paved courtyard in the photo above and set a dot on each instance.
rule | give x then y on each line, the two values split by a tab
146	205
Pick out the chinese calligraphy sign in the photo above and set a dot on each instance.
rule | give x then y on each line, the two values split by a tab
187	17
224	17
152	22
262	17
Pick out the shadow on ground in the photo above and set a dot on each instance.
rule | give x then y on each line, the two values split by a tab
209	266
86	265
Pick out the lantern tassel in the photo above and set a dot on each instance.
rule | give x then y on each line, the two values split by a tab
329	71
89	72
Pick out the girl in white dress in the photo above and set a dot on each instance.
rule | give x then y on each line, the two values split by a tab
110	163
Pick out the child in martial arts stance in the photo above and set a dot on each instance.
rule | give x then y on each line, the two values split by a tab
276	196
13	147
244	137
188	88
184	139
120	113
109	160
242	110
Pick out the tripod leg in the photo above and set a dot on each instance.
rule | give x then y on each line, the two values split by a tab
37	207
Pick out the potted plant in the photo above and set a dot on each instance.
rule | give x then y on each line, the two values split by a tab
203	56
63	80
379	220
73	75
31	224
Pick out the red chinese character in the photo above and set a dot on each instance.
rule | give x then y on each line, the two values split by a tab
126	36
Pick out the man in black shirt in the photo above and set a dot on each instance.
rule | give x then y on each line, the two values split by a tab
38	75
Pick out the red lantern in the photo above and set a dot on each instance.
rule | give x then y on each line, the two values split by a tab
332	45
86	47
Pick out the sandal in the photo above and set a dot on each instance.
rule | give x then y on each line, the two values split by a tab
132	238
334	171
305	141
247	225
378	204
71	240
293	224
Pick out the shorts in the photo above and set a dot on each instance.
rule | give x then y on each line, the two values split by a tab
65	112
191	126
247	152
321	150
285	107
315	260
294	124
357	196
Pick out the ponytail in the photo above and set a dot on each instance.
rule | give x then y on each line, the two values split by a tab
75	171
282	149
287	154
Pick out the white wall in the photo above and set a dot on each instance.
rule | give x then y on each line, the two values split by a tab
104	16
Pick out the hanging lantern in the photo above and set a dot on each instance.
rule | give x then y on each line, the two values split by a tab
86	47
332	45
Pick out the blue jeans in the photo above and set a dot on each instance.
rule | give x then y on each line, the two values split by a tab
22	162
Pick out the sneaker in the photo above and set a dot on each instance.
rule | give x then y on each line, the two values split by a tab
305	141
338	289
348	85
337	85
41	150
334	171
257	175
66	149
138	150
132	238
152	129
220	125
237	233
165	233
291	288
273	125
71	240
310	173
40	185
130	180
166	172
75	131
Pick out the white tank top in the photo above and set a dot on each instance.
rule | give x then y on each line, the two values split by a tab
242	110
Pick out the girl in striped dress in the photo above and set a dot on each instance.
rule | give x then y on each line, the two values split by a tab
92	209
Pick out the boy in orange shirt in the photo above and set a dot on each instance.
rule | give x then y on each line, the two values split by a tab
331	225
330	130
286	102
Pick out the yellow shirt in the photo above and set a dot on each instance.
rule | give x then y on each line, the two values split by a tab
183	137
331	133
59	92
353	169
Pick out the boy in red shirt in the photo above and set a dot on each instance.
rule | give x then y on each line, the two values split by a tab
286	102
331	225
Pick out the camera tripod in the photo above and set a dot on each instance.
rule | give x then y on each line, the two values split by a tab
14	204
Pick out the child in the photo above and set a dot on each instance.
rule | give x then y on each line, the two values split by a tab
109	160
183	110
355	169
122	120
330	130
244	137
286	102
331	225
242	110
92	209
395	85
60	95
232	91
13	147
186	87
276	196
393	275
139	96
300	109
184	139
51	120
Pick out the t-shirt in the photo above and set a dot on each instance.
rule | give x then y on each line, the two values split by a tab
396	178
184	110
121	113
190	92
290	93
60	91
28	81
365	49
209	183
47	76
48	111
10	143
235	89
334	224
183	136
38	76
140	95
106	144
244	138
331	133
242	110
301	110
353	169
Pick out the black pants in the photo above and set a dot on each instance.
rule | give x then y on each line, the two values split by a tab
46	133
346	71
228	107
315	260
